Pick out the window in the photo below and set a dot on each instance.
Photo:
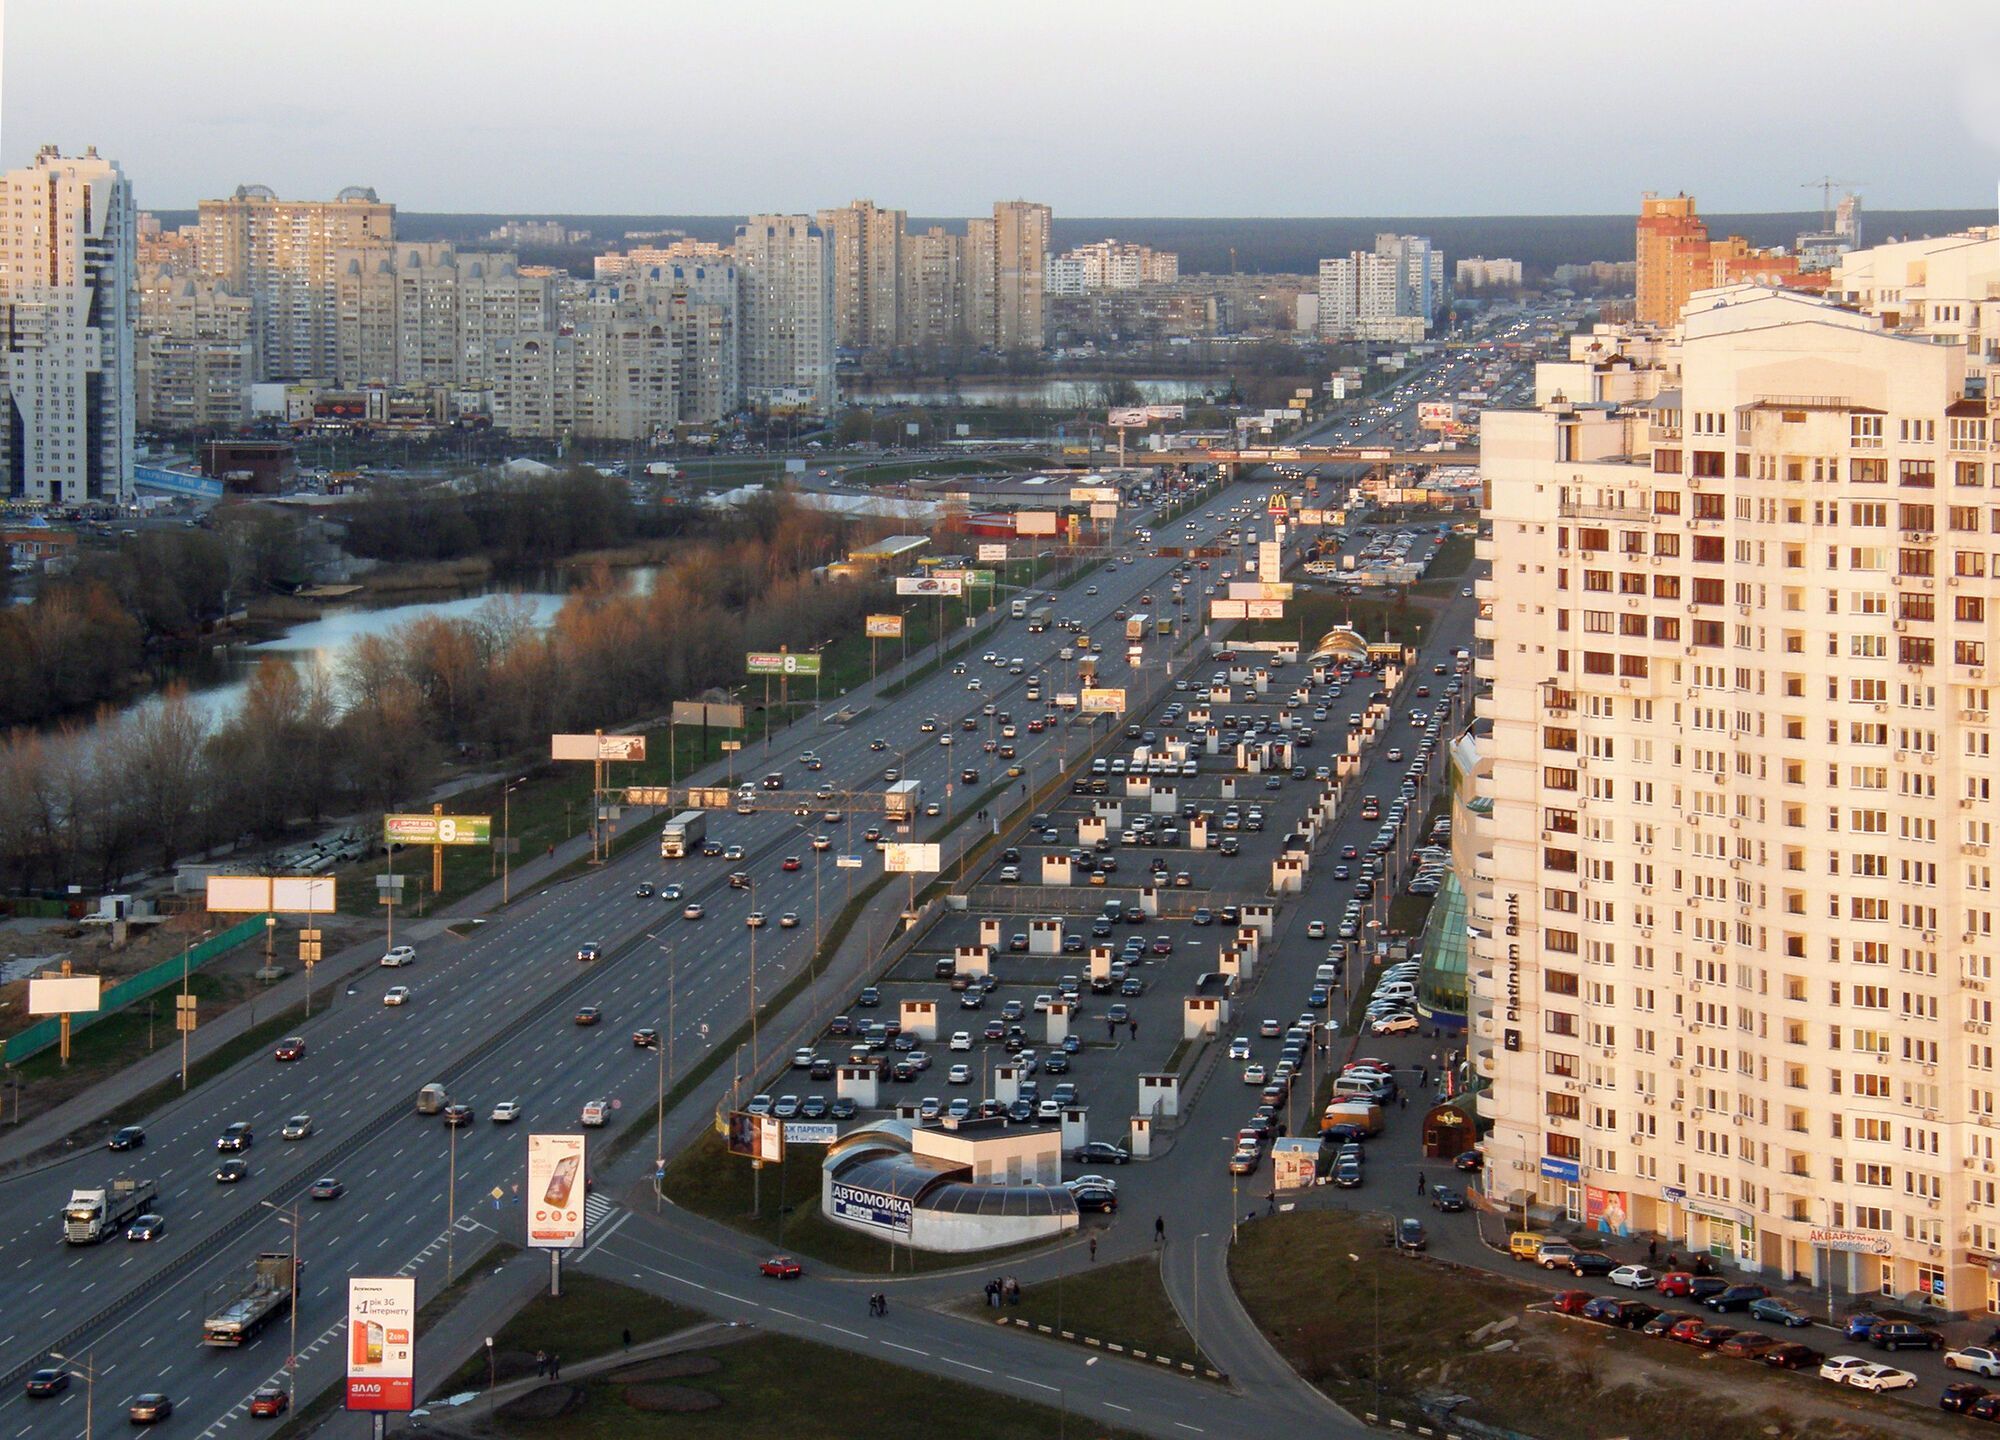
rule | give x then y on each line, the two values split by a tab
1708	464
1917	474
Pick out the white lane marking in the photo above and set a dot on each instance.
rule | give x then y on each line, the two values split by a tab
842	1329
966	1365
1113	1405
1036	1383
909	1348
1183	1425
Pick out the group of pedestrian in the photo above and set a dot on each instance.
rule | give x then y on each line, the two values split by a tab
549	1366
878	1304
1005	1290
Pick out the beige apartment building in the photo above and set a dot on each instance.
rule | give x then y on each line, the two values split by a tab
1020	268
1730	865
866	248
286	256
194	357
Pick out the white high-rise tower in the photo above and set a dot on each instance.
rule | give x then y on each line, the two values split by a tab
67	330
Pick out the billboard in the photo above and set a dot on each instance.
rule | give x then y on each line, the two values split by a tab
930	585
1131	415
811	1132
1094	494
1263	609
555	1191
911	859
697	712
877	1209
1254	590
597	747
1859	1242
761	1137
883	627
1103	511
1096	701
990	553
1226	609
438	829
68	994
780	662
381	1343
1166	412
1035	522
257	894
1292	1162
1436	414
1270	559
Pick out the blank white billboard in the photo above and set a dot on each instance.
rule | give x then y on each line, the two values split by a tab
65	995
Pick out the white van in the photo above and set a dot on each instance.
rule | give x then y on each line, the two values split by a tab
1367	1087
1327	975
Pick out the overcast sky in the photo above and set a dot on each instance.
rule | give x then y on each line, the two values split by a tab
1098	107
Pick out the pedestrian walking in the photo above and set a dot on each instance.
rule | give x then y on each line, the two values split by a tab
1673	1262
555	1365
628	1339
541	1362
1420	1184
992	1295
1093	1249
1159	1229
1652	1251
1135	1029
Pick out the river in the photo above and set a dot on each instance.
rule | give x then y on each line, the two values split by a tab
1038	394
216	685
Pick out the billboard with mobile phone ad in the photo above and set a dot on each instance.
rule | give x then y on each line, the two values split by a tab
381	1343
555	1192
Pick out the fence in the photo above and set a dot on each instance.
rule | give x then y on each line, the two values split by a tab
45	1032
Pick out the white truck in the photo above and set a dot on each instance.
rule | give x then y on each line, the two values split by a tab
901	802
97	1213
682	835
1018	609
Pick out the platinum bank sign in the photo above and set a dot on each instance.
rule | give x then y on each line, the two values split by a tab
1511	1037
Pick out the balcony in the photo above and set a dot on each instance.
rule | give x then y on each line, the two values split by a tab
1627	514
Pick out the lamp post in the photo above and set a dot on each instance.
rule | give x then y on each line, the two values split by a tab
88	1371
507	836
1377	1366
290	1215
753	984
450	1205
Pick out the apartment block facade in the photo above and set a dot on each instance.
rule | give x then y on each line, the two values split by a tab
1730	867
866	242
1388	293
68	238
194	358
786	327
287	257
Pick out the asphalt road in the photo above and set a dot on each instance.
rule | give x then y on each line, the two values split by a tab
489	1016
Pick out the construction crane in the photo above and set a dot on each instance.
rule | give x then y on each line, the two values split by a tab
1826	185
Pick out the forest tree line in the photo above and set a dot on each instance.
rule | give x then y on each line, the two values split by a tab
160	783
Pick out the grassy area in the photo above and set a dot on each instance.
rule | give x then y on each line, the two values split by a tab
130	1034
1124	1303
773	1387
587	1320
1360	1321
708	1180
1454	558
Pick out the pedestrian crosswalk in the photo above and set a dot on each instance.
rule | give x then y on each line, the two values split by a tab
596	1210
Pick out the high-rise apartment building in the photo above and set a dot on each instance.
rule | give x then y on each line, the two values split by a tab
288	256
933	306
1676	258
866	245
1944	287
68	235
1109	265
1388	293
1729	870
194	360
1020	263
785	317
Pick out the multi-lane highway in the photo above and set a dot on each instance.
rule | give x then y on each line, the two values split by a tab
491	1017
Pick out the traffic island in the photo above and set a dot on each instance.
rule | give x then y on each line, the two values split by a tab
1120	1309
1437	1348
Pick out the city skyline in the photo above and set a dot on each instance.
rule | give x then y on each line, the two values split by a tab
1465	141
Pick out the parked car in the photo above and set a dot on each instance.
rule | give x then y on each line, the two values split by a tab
1979	1359
1779	1311
1959	1395
1634	1277
1790	1355
1905	1335
1735	1297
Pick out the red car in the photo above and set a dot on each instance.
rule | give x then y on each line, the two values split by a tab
269	1402
791	862
781	1267
1676	1282
1571	1302
290	1048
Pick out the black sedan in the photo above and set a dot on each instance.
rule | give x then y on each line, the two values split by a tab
1100	1152
46	1382
130	1137
230	1172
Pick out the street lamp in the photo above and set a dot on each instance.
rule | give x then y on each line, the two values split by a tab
507	835
1377	1366
450	1204
290	1215
88	1371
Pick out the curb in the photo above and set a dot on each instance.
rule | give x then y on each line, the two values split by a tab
1168	1362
